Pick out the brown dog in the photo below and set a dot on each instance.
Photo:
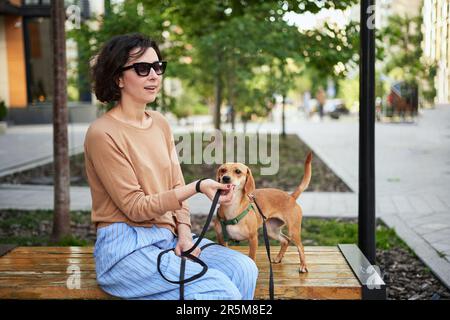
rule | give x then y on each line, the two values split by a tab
279	207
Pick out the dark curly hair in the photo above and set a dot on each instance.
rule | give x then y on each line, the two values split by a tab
114	54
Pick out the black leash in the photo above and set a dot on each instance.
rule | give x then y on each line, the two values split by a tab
187	254
266	242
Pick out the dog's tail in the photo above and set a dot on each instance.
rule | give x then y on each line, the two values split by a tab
306	177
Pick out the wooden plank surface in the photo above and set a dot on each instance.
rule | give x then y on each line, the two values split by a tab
42	273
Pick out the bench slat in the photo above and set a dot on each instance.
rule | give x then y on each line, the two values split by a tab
41	273
89	280
284	293
45	255
43	267
260	259
60	250
279	274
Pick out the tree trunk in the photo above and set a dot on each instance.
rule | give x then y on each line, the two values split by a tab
219	89
232	110
107	4
233	118
230	85
283	122
61	218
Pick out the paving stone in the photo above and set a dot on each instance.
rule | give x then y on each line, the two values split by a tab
431	227
386	206
420	205
417	221
441	246
443	234
435	202
402	203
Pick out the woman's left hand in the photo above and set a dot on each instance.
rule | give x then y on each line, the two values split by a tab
184	244
185	241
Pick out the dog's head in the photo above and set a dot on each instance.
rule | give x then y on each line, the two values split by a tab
237	174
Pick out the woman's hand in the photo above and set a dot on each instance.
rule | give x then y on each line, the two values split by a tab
184	244
185	241
209	187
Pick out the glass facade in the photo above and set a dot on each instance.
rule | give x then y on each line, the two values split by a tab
36	2
39	60
436	43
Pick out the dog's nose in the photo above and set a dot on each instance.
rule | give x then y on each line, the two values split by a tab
226	179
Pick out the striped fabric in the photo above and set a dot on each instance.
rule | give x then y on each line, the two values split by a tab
126	256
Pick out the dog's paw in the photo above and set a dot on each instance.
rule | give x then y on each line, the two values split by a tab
276	261
303	269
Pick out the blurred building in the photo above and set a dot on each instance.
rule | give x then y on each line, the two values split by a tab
386	8
436	43
26	62
25	52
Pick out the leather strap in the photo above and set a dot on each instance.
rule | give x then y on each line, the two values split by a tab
225	223
197	185
239	217
182	270
266	242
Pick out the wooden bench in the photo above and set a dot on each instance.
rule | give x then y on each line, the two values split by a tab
334	273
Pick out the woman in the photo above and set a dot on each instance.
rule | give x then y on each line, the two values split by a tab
138	190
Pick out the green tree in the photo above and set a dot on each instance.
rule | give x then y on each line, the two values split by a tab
218	46
404	55
236	35
150	18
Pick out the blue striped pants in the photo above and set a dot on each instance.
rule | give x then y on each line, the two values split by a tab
126	258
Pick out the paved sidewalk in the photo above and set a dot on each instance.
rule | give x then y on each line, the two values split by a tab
314	204
27	146
412	177
412	174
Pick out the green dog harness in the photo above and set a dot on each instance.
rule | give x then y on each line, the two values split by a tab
234	221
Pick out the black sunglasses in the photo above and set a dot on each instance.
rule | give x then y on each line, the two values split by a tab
143	68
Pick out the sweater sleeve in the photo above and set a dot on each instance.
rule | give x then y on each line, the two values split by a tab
119	179
181	215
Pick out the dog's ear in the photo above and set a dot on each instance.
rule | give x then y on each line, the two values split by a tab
217	173
249	186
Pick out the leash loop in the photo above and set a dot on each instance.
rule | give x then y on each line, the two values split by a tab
187	253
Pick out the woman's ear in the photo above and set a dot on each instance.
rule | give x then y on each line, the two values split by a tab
249	186
119	82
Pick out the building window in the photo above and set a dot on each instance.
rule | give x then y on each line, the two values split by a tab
39	60
36	2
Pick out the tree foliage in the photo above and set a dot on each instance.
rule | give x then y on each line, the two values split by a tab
219	48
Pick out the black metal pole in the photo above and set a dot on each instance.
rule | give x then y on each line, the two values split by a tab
366	214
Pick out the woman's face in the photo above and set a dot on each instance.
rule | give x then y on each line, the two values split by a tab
141	89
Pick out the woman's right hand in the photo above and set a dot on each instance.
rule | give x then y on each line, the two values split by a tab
209	187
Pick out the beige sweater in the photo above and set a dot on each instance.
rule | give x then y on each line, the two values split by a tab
132	173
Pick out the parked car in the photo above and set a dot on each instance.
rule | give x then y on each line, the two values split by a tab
402	100
335	108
